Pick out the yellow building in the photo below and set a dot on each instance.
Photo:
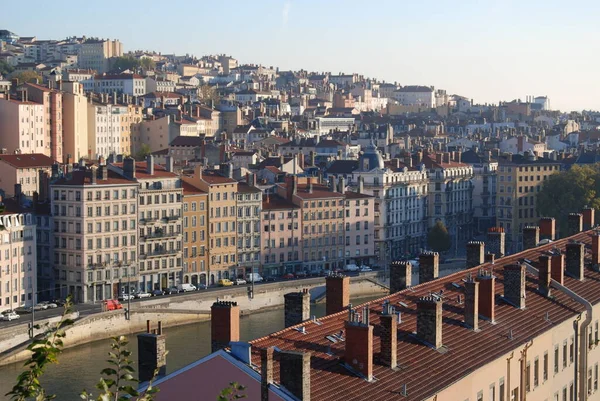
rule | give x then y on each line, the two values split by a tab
195	235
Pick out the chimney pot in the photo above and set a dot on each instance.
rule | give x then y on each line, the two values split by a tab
514	284
575	223
548	228
294	373
297	308
337	289
589	218
475	253
575	260
544	274
531	237
472	304
595	249
151	355
558	267
429	320
359	348
225	324
496	241
389	337
266	369
429	266
400	275
487	295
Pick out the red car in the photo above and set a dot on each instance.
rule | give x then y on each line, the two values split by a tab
287	276
111	304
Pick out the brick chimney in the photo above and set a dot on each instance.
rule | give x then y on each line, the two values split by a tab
224	324
129	167
575	259
544	274
558	267
266	372
487	294
388	336
152	353
496	241
548	228
589	217
531	237
439	158
359	343
490	258
595	249
475	253
514	284
294	373
337	293
472	303
429	266
297	307
574	224
400	275
429	320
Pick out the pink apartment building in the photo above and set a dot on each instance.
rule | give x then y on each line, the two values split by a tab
359	228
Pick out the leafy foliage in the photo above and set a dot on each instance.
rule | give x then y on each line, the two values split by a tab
207	93
5	68
233	392
125	63
29	76
569	191
44	351
438	238
144	151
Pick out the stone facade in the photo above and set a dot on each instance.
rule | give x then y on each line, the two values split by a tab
531	237
429	320
294	373
475	253
472	304
400	275
575	255
429	266
297	307
514	284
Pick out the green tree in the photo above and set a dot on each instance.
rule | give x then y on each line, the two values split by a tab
147	63
233	392
438	238
29	76
5	68
207	93
570	191
125	63
143	152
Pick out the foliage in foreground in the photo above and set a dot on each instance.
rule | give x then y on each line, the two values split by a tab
438	238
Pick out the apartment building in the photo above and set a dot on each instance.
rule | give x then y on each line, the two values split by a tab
359	228
52	100
484	189
23	126
519	180
195	235
323	210
44	244
450	194
281	236
24	170
160	220
248	206
95	233
75	121
18	278
222	249
94	54
128	84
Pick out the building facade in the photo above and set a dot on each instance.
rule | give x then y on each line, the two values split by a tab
195	235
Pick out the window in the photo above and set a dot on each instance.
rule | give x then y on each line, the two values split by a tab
501	390
528	377
536	372
564	354
571	350
545	367
596	376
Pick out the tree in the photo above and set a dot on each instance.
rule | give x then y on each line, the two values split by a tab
5	68
147	63
125	63
568	192
438	238
208	94
29	76
143	152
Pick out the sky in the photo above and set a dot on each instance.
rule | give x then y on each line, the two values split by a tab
487	50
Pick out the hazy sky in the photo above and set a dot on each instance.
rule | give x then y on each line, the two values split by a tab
488	50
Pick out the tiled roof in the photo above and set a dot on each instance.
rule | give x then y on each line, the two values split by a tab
189	189
183	140
465	349
430	162
247	189
80	177
215	179
319	191
276	202
141	172
28	160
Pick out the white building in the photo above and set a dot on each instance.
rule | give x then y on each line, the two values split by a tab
416	96
129	84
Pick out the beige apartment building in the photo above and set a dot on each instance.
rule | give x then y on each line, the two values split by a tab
222	250
75	121
95	233
52	100
195	235
18	284
359	228
23	127
94	54
25	170
519	180
248	206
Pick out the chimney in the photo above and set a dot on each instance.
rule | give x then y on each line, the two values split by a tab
294	373
475	253
388	336
129	168
309	186
359	344
531	237
558	267
589	217
169	163
496	240
341	185
150	165
301	159
94	170
544	274
361	185
574	224
400	275
312	158
487	295
103	172
224	324
152	353
472	304
266	372
429	266
575	260
429	320
548	228
297	307
514	284
490	258
446	157
18	192
439	158
595	250
337	290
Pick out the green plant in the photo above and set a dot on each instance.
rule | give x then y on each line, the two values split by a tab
438	238
117	385
232	392
45	349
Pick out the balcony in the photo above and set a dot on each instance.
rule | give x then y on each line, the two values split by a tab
148	220
159	235
170	218
158	253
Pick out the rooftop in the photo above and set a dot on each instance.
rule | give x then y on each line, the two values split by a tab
29	160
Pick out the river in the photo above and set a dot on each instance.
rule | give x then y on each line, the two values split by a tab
79	367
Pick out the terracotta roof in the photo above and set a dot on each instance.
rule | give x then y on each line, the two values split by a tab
247	189
141	173
273	169
80	177
28	160
430	162
189	189
465	350
276	202
319	191
216	179
356	195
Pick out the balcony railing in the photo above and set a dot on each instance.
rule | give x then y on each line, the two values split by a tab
158	253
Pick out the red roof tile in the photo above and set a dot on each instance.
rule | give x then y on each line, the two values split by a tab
28	160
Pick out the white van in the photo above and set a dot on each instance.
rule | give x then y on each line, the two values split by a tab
186	287
351	267
257	278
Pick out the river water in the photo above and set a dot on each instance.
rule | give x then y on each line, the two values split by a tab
79	367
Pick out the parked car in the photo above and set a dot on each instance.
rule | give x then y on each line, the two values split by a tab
288	276
157	293
40	306
257	278
186	287
49	305
126	297
112	304
143	294
351	268
365	269
239	281
270	278
301	274
225	282
314	273
9	315
170	290
59	302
